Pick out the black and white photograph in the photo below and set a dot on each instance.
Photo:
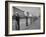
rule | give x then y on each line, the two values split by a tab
25	18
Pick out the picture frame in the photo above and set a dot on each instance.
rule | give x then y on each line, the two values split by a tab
11	6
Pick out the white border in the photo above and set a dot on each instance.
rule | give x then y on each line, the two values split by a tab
10	5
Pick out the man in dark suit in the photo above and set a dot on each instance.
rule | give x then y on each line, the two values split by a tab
16	17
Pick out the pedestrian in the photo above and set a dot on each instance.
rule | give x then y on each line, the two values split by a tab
16	21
